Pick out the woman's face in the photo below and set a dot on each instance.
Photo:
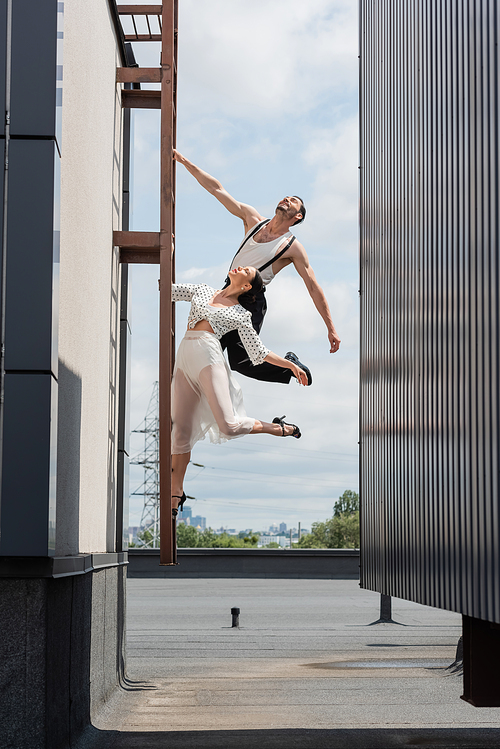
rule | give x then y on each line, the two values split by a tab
243	276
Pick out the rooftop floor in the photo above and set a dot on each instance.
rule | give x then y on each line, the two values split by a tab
304	670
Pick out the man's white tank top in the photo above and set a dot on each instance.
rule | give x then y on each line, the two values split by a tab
258	254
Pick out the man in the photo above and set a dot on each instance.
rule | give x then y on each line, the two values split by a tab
269	246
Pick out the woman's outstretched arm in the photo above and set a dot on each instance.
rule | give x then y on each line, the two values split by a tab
278	361
258	353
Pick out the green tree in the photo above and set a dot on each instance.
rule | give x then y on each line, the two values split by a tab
338	532
346	504
187	536
251	540
190	537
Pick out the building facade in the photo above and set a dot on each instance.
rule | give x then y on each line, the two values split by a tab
430	314
65	188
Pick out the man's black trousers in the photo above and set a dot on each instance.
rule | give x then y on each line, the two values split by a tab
239	362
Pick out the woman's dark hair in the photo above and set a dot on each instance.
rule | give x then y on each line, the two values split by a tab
301	210
249	297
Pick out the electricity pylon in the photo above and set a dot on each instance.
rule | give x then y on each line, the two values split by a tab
150	459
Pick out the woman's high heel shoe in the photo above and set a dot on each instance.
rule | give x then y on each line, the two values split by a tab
281	421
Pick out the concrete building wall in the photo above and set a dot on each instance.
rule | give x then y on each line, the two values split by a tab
89	281
60	638
62	568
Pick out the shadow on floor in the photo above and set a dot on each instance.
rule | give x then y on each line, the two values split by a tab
290	738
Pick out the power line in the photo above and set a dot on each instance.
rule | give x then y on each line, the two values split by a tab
296	453
277	477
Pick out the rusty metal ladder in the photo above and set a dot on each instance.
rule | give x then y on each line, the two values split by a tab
158	247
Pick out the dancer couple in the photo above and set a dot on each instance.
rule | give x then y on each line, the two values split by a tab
206	399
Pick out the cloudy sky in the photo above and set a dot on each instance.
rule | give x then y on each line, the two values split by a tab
268	104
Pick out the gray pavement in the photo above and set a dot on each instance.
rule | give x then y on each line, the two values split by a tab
304	670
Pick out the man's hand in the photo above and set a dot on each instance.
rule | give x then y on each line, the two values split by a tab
334	341
247	213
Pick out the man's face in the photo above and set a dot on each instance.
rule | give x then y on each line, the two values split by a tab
288	207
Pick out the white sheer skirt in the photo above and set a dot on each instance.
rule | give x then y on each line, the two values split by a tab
206	399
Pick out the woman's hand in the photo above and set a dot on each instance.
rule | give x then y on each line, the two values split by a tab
299	373
278	361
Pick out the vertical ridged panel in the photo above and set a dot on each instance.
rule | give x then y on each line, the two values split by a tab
429	246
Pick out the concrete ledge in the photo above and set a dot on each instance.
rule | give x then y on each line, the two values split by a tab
330	564
79	564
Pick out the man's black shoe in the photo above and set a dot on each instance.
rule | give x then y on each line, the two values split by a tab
294	358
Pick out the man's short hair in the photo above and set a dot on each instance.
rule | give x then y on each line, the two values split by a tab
301	210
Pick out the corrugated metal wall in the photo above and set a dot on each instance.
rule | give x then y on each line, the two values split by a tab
429	251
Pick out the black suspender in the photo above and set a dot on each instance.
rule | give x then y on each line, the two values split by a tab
249	236
276	257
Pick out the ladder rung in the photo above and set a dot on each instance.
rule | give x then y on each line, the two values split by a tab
139	10
143	37
137	240
140	257
140	99
138	75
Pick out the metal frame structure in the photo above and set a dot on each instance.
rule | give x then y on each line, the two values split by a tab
150	460
158	247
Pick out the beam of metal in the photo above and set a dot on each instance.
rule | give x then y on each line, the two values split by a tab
144	256
137	240
143	37
167	235
139	10
138	75
136	99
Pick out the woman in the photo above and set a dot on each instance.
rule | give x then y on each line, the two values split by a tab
205	396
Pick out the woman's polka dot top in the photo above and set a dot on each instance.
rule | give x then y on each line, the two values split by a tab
221	319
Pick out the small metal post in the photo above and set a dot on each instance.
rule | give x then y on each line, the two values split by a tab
235	613
290	538
386	611
300	533
385	608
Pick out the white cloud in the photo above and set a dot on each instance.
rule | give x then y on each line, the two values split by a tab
213	275
263	59
332	155
292	314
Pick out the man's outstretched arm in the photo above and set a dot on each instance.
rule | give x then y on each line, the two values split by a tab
301	262
247	213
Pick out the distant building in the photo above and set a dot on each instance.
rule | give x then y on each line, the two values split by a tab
282	527
186	515
198	522
273	528
265	539
132	533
